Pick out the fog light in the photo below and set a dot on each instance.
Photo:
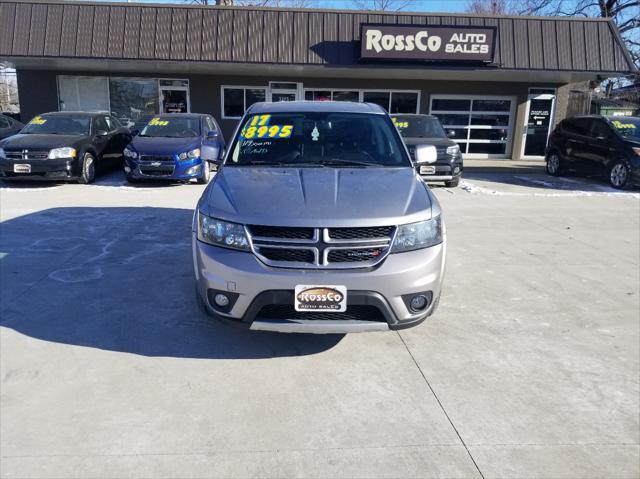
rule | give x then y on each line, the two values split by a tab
418	303
456	170
127	169
194	170
221	300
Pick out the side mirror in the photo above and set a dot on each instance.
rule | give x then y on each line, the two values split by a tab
212	134
426	154
135	132
102	133
451	134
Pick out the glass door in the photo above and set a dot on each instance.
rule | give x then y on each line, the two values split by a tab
538	122
174	96
284	91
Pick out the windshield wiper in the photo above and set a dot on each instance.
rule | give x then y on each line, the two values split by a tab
341	162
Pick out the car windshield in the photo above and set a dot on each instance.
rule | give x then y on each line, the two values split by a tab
317	139
627	127
172	127
58	125
419	127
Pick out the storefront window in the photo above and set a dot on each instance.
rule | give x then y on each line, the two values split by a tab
317	95
83	93
404	102
133	98
377	97
236	100
346	96
482	126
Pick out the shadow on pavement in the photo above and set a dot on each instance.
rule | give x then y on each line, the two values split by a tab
120	279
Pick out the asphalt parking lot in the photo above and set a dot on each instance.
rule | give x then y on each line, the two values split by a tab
530	368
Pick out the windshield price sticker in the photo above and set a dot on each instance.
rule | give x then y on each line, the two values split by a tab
158	122
400	125
265	131
38	120
623	126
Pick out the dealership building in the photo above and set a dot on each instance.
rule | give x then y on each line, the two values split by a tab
499	83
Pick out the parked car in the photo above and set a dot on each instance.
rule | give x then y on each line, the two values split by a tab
63	146
175	146
317	222
604	145
9	126
417	130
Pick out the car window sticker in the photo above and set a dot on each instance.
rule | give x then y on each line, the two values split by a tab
38	120
158	122
258	127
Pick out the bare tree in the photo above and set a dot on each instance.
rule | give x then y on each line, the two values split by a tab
389	5
490	7
8	91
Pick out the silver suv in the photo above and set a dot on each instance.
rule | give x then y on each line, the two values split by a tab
317	222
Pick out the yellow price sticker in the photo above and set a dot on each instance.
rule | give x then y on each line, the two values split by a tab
158	122
250	131
623	126
38	120
400	124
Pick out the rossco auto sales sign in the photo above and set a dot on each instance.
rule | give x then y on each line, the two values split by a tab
427	43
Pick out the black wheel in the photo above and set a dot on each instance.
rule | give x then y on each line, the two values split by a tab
131	179
619	174
554	164
206	173
452	183
88	169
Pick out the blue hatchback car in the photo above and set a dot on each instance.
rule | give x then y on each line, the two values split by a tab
174	146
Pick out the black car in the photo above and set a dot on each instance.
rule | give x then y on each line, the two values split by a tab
9	126
602	145
427	130
64	146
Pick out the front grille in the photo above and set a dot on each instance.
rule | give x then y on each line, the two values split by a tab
355	312
156	158
354	255
360	233
288	255
441	152
316	248
156	170
27	155
280	232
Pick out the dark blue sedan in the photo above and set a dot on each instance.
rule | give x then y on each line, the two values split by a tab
174	146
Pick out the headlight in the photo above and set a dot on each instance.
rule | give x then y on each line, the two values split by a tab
130	153
190	154
2	153
65	152
222	233
418	235
453	150
635	150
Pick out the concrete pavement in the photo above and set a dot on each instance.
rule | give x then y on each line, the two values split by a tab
529	369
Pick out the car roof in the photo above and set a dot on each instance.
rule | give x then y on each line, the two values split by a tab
180	115
315	106
414	115
76	113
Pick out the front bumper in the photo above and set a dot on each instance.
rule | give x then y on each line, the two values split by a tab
382	290
164	170
51	170
440	171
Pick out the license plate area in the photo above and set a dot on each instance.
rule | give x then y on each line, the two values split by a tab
321	298
21	168
427	170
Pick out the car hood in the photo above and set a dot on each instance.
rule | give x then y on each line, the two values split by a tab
41	142
429	141
331	197
164	146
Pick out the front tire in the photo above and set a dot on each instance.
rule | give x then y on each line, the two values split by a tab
88	169
554	164
619	174
452	183
206	173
